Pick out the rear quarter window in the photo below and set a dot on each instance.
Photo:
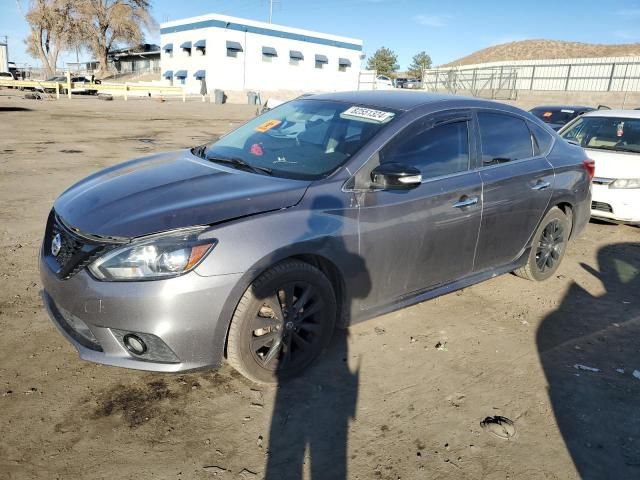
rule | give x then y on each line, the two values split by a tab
542	139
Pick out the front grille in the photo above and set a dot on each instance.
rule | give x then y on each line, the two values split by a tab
75	252
603	207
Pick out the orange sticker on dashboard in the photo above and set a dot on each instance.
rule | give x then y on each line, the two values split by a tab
268	125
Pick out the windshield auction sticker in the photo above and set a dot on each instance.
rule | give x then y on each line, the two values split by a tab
367	115
268	125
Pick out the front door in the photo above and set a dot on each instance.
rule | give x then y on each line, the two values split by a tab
419	238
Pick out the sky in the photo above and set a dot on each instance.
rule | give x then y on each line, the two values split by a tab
445	30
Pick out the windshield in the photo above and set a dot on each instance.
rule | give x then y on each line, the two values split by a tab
302	139
555	116
605	133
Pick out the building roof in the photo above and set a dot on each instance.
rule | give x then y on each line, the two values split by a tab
136	50
262	28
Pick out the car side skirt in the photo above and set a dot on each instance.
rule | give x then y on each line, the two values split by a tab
424	295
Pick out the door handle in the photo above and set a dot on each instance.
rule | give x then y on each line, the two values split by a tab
541	185
465	202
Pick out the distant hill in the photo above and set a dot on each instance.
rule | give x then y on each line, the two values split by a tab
543	49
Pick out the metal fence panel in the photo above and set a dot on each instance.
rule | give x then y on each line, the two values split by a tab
616	74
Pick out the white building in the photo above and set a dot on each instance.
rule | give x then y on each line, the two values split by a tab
235	54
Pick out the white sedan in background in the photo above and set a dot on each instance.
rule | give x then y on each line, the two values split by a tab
384	83
612	139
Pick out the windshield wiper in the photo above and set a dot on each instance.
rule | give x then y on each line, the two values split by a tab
240	163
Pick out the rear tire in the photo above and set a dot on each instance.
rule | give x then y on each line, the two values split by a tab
282	323
548	246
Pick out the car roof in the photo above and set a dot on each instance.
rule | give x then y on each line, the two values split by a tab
614	113
562	107
406	99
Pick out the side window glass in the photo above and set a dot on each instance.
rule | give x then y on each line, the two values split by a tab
437	151
504	138
543	139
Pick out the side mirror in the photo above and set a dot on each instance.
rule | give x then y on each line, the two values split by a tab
396	176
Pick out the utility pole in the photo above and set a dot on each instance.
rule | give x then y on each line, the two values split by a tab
271	2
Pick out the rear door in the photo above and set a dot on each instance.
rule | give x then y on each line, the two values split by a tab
419	238
517	186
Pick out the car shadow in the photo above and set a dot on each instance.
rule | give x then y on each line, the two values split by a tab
311	416
590	354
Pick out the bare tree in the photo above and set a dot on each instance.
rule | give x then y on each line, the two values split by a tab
106	23
50	22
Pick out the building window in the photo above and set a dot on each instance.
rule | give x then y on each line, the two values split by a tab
201	46
295	57
186	47
321	61
233	48
343	64
181	75
268	53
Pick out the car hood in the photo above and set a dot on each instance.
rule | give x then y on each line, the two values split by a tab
611	164
169	191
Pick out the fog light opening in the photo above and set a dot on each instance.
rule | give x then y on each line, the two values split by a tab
134	344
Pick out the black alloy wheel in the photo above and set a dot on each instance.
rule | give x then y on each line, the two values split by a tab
287	326
282	323
550	246
547	247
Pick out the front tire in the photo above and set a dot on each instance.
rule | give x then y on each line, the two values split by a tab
548	246
282	323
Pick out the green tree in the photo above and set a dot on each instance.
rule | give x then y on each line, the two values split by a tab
384	61
420	62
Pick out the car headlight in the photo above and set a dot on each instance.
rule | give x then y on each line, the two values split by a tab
625	183
160	257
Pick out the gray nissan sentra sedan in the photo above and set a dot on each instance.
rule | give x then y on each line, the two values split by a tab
322	212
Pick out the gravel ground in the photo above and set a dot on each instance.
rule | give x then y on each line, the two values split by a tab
401	396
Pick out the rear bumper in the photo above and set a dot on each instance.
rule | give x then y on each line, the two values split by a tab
177	317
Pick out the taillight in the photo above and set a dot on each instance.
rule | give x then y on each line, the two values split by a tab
590	167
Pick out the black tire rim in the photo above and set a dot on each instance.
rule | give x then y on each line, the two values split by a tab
550	246
286	331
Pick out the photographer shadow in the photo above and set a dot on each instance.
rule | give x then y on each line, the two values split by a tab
312	413
589	350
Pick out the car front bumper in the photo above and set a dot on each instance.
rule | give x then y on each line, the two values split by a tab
179	318
616	205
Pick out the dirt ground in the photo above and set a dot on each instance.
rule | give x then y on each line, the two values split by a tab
397	397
